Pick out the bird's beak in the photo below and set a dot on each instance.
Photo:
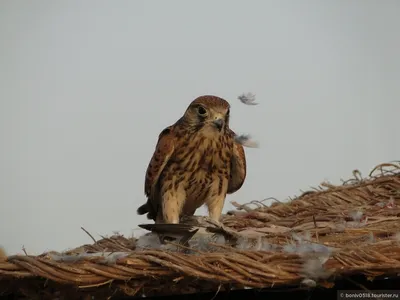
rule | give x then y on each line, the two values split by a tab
218	123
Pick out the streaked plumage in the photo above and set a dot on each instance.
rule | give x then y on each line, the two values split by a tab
196	162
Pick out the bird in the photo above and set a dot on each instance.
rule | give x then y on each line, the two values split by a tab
196	162
189	227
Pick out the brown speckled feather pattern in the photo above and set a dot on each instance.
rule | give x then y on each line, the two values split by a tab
238	168
193	164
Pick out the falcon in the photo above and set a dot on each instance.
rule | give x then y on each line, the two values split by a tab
196	162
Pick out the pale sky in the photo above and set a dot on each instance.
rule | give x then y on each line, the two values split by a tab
86	87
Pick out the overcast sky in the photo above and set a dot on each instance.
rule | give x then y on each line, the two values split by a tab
86	87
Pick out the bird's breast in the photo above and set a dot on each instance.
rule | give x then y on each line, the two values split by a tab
210	155
201	166
200	155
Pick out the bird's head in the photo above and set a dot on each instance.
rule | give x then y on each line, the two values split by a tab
209	114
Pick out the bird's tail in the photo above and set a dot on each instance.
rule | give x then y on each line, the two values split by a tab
143	209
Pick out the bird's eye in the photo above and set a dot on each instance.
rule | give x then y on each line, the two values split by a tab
201	111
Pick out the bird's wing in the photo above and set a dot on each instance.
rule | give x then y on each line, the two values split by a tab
162	153
172	232
168	228
238	168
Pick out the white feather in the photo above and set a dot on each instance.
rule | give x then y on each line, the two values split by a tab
248	99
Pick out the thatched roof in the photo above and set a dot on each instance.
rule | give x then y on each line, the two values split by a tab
312	240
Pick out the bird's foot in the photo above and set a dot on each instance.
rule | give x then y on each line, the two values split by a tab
214	222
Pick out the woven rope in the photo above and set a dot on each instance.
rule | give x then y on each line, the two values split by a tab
369	245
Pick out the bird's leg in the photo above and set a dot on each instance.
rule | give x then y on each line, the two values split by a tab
215	207
173	202
159	218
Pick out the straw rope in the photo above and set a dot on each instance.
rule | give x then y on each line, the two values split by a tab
359	219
